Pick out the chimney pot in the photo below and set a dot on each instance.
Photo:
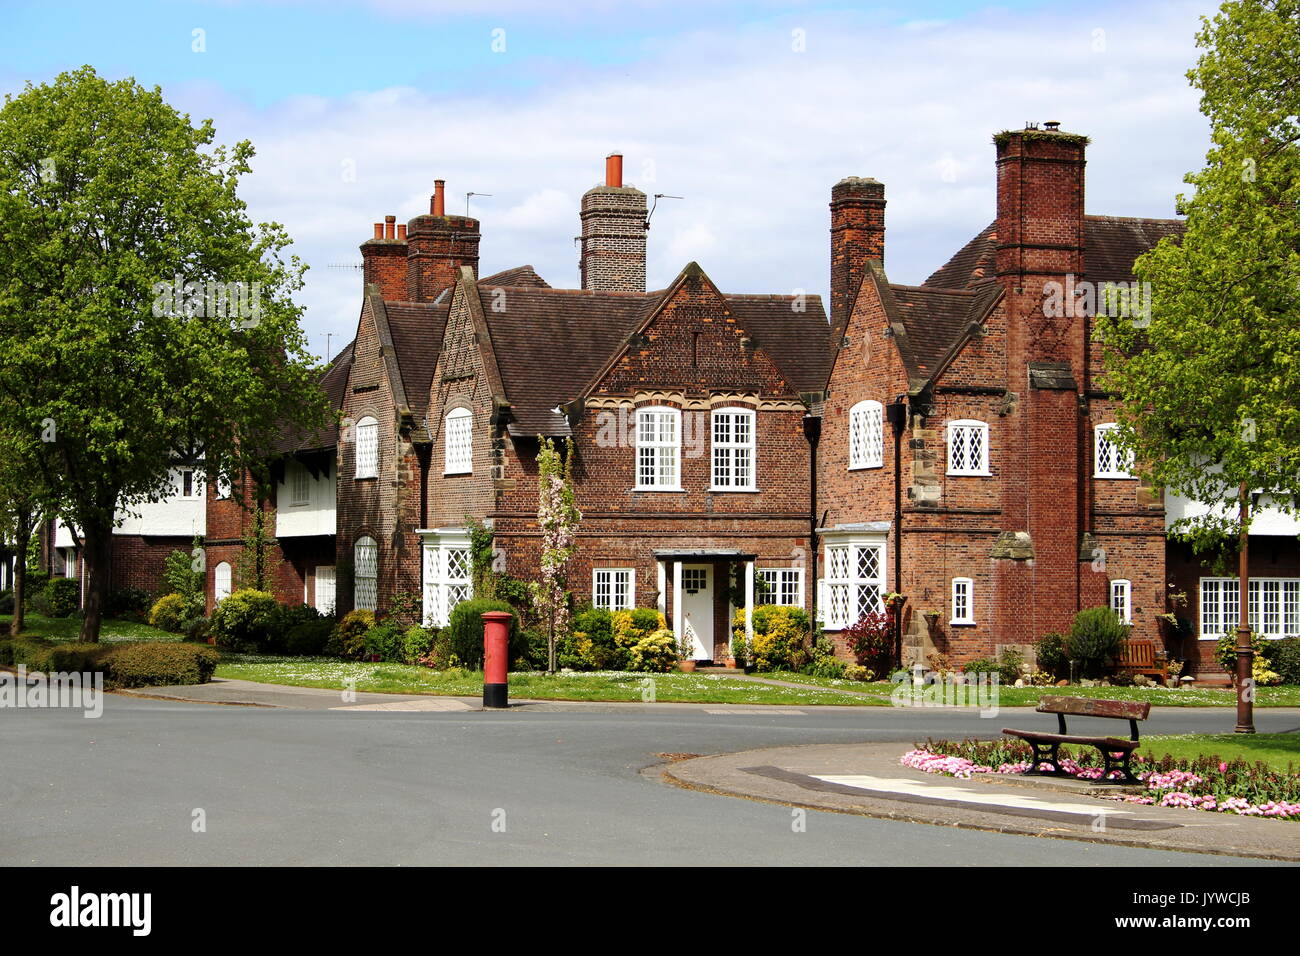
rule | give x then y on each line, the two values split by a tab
439	207
614	169
379	230
401	231
1052	126
388	226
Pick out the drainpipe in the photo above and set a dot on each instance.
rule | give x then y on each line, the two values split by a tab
896	413
812	431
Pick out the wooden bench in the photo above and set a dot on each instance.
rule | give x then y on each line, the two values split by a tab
1141	657
1115	751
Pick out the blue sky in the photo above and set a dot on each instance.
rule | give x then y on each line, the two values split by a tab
751	111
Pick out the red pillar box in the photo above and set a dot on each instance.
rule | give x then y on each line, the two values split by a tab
496	658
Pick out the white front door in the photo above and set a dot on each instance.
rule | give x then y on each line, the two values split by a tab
697	607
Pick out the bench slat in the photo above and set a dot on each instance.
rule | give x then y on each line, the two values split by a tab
1095	707
1110	743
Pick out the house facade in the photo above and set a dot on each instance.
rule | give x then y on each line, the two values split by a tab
966	461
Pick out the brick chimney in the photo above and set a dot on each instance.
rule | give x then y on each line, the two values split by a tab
1044	487
383	259
613	233
437	246
857	236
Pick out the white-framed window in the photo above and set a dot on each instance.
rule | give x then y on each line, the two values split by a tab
448	576
784	586
221	583
1121	599
367	459
855	583
733	450
658	449
365	575
458	442
968	448
1109	460
963	601
613	589
1273	609
300	483
867	435
326	594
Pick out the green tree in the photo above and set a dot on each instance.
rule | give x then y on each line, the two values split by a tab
1209	378
558	519
143	316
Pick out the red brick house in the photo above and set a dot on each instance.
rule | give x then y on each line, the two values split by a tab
685	408
965	461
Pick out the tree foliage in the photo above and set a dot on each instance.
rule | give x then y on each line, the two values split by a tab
1209	385
107	195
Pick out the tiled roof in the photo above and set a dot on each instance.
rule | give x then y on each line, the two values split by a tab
334	380
1111	244
519	276
550	343
417	329
798	341
935	319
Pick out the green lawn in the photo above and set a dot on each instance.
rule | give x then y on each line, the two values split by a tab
1279	751
1287	695
616	686
67	628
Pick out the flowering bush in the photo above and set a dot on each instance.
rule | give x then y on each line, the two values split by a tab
780	636
656	652
1204	783
872	641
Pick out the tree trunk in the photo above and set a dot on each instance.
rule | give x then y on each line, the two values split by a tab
23	540
98	543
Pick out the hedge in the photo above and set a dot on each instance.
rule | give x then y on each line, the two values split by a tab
140	664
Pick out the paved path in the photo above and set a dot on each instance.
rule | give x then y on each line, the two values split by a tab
867	779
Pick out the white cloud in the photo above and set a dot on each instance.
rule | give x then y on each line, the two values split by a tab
751	133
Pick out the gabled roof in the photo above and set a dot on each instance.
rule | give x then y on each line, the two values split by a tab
550	343
334	381
937	319
417	329
793	331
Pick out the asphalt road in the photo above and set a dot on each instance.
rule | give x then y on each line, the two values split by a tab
530	786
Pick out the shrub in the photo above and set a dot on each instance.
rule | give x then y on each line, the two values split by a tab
533	651
61	597
1051	656
632	625
198	630
416	643
246	621
872	642
595	641
309	638
1284	657
1225	651
858	672
1096	638
349	639
170	613
1010	663
287	618
130	604
466	630
67	658
824	663
159	663
23	650
982	665
656	652
383	642
780	636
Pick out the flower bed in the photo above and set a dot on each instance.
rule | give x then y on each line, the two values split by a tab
1205	783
